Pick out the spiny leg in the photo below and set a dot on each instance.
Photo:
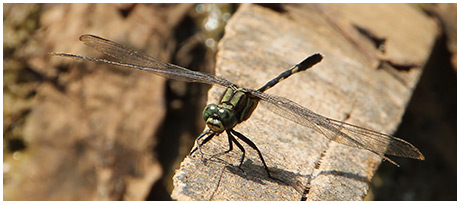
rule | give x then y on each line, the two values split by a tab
230	137
251	144
230	147
205	140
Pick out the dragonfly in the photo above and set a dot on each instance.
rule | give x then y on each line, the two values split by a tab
238	103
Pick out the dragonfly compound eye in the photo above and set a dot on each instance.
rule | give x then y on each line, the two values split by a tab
227	117
209	110
210	115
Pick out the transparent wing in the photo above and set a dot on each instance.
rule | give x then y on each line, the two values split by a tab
134	59
338	131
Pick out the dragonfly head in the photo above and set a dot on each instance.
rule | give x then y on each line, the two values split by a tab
219	118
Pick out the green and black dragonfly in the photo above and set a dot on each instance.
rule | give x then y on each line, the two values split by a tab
237	104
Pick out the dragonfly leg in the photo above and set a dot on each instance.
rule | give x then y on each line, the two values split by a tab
231	138
206	139
251	144
230	145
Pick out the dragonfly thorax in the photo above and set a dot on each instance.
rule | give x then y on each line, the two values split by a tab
219	118
236	105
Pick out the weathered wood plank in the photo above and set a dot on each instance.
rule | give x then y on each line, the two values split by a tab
260	43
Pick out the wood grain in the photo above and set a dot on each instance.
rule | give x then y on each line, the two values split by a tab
260	43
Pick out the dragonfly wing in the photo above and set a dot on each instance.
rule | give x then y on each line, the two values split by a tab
120	52
131	58
339	131
379	142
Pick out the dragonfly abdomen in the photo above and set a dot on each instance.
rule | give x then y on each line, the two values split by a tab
302	66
